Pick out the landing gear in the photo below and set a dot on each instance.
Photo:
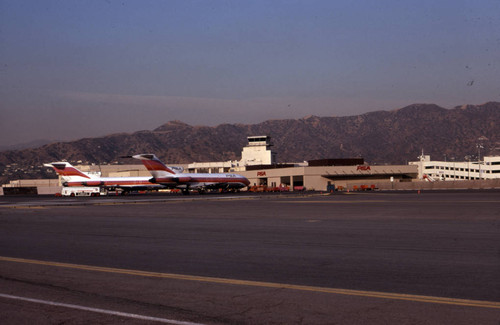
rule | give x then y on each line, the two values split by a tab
185	191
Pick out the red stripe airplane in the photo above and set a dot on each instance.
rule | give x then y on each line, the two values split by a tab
71	176
169	177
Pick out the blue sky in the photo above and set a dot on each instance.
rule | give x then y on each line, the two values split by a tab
72	69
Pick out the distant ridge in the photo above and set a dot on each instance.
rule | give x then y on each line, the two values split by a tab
380	137
26	145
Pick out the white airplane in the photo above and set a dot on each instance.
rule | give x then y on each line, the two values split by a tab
72	176
172	178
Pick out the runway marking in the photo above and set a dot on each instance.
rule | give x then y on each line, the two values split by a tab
98	310
348	292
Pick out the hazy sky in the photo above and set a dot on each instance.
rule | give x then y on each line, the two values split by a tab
72	69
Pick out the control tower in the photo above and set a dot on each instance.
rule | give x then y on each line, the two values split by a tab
258	151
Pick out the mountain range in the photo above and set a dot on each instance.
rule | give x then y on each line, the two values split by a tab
382	137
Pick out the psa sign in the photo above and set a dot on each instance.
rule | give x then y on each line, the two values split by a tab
261	174
365	168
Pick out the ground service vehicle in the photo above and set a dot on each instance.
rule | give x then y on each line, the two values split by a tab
82	191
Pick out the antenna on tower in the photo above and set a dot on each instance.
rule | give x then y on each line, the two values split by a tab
421	157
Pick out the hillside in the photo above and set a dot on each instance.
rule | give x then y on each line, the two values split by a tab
380	137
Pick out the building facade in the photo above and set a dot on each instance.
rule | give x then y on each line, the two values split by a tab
322	178
488	168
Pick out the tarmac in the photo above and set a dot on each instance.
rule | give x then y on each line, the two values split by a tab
295	258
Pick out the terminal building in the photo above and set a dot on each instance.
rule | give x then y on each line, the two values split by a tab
331	177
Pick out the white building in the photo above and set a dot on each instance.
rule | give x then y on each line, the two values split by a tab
489	168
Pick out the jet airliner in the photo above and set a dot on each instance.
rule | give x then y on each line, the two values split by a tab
170	177
71	176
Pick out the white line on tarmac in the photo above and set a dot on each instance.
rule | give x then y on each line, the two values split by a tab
101	311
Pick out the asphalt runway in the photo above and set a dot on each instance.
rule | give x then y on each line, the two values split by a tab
378	258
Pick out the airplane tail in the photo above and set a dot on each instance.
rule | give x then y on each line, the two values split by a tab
67	171
155	166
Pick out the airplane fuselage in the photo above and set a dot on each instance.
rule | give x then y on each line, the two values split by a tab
112	182
197	180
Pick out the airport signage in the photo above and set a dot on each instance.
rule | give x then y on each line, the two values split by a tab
363	167
261	174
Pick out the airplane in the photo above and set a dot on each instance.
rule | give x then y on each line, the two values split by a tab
172	178
71	176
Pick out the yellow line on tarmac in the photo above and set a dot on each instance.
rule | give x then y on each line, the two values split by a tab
348	292
334	202
379	201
